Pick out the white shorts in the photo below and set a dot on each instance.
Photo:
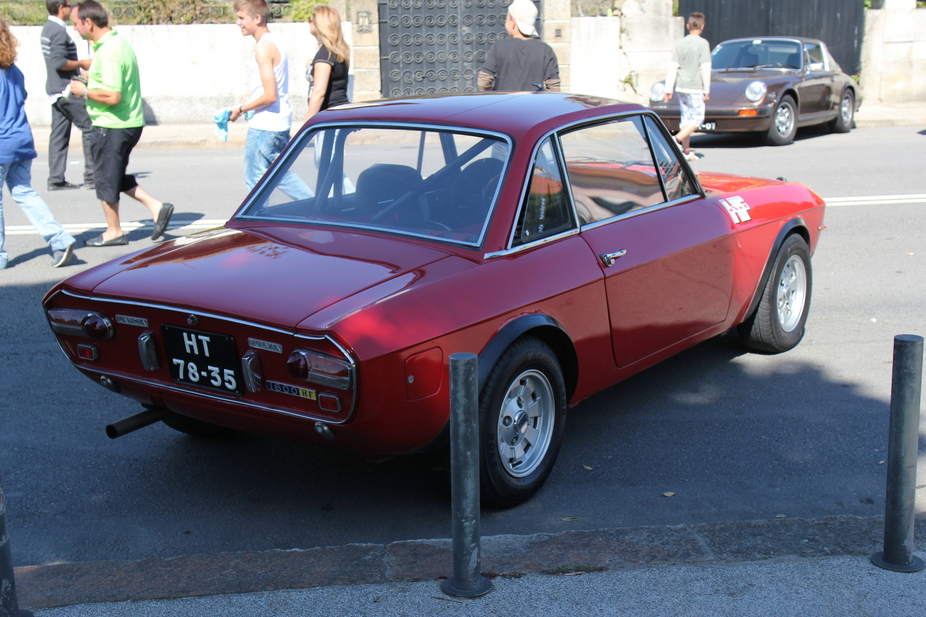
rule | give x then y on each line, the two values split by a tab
692	105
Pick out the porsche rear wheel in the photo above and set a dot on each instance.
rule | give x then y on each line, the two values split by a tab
778	322
784	123
522	415
842	123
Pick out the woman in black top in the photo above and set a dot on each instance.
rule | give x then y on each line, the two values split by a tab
328	70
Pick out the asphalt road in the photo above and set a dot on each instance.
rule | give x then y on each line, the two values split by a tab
734	436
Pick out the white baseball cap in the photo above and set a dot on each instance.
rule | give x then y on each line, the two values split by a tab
524	13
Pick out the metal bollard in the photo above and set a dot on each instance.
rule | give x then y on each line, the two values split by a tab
9	606
467	580
906	388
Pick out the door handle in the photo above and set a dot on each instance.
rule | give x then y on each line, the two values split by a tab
609	258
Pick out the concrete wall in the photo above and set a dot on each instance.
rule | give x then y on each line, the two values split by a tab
190	71
894	53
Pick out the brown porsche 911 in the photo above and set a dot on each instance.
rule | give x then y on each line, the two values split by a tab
772	86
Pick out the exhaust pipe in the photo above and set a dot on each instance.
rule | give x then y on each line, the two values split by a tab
133	423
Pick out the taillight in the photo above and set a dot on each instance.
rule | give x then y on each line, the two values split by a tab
81	323
320	368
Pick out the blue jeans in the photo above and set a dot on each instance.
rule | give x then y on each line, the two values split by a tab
18	178
260	150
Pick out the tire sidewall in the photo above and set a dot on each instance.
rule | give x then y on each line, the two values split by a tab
498	486
794	245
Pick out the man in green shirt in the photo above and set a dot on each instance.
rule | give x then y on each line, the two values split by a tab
113	93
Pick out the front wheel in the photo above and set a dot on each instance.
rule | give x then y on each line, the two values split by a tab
842	123
778	322
784	123
522	414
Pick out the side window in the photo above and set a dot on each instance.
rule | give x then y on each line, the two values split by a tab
546	211
815	56
611	170
677	182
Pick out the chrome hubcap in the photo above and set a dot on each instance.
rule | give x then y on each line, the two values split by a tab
792	291
525	423
783	120
845	109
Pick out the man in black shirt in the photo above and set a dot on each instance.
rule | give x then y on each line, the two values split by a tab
521	62
66	109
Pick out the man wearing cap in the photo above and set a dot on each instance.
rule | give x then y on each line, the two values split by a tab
521	62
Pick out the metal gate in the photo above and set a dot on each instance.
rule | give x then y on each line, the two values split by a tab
436	46
838	23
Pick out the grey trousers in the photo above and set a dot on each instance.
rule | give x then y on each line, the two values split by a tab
66	111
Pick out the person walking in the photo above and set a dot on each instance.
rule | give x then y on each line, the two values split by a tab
521	62
691	64
113	95
268	128
62	65
17	149
327	72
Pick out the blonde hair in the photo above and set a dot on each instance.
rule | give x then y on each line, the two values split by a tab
328	31
8	45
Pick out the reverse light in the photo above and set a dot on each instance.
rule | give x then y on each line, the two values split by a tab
756	90
320	368
85	324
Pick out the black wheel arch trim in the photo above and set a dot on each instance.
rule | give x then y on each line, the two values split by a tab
544	327
795	225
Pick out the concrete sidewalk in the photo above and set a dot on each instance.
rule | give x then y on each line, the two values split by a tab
203	135
773	567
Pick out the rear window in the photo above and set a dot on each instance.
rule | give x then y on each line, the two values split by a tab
425	182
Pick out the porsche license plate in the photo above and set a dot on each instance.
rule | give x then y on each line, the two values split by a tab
203	359
709	126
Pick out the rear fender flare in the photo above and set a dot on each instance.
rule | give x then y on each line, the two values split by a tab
544	327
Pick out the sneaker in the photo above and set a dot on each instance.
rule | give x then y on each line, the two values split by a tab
58	186
691	156
60	258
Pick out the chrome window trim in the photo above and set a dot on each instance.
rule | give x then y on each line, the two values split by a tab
559	151
297	144
628	215
524	247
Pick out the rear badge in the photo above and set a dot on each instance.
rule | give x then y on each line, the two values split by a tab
291	390
737	208
132	321
259	344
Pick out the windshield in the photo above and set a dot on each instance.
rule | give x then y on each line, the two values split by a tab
757	53
427	182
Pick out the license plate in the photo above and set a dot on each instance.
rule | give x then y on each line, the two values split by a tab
709	126
203	359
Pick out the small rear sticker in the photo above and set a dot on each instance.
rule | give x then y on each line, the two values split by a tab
291	390
737	208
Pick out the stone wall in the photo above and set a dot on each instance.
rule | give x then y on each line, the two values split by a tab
190	71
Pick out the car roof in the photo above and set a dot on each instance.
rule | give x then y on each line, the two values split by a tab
802	39
516	113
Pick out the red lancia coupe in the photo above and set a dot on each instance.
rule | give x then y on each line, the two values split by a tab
562	238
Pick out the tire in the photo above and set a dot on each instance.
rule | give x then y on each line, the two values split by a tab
784	123
197	428
778	322
842	123
522	416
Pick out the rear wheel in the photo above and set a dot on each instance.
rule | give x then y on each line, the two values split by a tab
784	123
842	123
778	322
522	414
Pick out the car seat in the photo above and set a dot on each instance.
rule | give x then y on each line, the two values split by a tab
381	184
